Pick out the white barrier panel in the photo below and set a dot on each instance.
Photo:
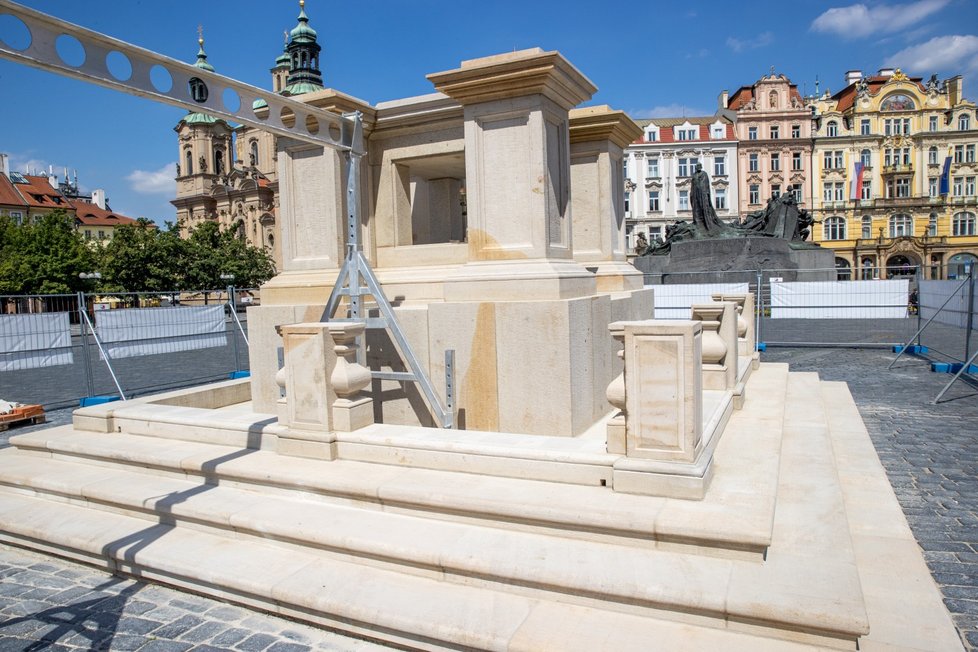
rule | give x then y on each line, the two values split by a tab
34	341
933	294
132	332
673	301
840	299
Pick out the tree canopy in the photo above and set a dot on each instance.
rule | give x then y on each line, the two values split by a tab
47	256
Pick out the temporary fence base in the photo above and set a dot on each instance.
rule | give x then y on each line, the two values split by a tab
234	375
952	368
913	350
87	401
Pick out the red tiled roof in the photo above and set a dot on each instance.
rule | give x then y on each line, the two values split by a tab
89	214
745	94
667	135
847	96
39	193
9	195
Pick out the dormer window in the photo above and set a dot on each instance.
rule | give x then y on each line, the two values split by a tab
717	132
687	133
652	134
832	128
964	122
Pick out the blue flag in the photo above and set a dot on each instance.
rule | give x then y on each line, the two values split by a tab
946	176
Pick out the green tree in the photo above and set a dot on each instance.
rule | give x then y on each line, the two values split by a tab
140	257
213	253
43	257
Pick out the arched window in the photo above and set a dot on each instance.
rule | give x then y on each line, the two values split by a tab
832	128
834	228
843	270
868	269
254	152
188	161
901	225
932	156
932	224
866	158
963	224
964	122
867	227
218	161
960	264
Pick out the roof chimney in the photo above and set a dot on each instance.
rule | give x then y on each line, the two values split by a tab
53	180
724	99
886	72
98	198
5	165
955	89
852	76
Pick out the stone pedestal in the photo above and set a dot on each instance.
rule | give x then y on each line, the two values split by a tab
719	343
746	334
598	136
309	359
664	444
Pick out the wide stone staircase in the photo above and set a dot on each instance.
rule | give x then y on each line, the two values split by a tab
794	547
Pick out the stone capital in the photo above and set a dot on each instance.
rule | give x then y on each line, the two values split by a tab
603	123
516	74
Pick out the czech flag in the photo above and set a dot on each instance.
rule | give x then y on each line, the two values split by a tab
946	176
855	189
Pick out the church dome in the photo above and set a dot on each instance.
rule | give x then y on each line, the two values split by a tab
303	33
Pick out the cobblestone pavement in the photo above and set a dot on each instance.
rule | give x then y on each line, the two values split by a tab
930	453
53	605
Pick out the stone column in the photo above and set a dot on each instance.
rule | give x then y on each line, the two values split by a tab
351	409
517	162
598	136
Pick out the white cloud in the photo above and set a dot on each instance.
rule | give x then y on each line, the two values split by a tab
761	40
154	182
858	20
26	164
668	111
949	54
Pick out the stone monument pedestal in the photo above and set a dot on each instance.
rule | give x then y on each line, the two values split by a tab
735	260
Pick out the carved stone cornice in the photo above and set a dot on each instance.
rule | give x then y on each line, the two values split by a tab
516	74
603	123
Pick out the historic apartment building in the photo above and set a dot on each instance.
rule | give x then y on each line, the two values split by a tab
228	174
894	183
658	169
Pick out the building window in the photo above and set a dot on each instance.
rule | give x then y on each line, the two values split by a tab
963	224
88	234
752	133
775	132
832	128
254	153
932	186
834	228
958	187
796	160
797	192
964	122
628	197
720	198
796	131
775	161
775	191
959	153
933	123
624	169
932	156
867	227
864	127
101	234
833	192
684	200
687	166
901	225
719	166
654	200
902	187
687	134
188	161
652	135
969	154
717	132
932	225
866	192
653	167
752	165
832	160
969	186
866	158
754	194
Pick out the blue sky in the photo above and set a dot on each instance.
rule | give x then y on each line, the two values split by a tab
652	58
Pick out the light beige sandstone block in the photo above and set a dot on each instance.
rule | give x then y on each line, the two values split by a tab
719	343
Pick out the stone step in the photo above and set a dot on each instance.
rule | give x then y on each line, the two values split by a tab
905	608
735	518
405	609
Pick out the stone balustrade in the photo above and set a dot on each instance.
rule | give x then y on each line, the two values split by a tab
746	334
720	345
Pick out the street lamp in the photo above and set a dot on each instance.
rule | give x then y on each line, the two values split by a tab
85	276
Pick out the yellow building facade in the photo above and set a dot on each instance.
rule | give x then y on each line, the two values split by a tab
894	176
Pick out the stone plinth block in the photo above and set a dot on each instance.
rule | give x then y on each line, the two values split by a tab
746	335
719	343
310	357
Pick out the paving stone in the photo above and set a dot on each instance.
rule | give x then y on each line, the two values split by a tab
179	626
226	613
256	643
230	637
289	646
203	632
166	646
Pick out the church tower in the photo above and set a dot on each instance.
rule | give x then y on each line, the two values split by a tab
303	50
205	151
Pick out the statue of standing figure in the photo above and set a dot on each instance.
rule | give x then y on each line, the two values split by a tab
704	216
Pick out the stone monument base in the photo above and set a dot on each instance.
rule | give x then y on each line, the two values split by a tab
736	260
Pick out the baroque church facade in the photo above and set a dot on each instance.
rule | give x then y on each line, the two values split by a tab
227	173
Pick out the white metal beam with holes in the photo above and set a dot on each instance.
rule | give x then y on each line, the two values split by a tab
312	125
